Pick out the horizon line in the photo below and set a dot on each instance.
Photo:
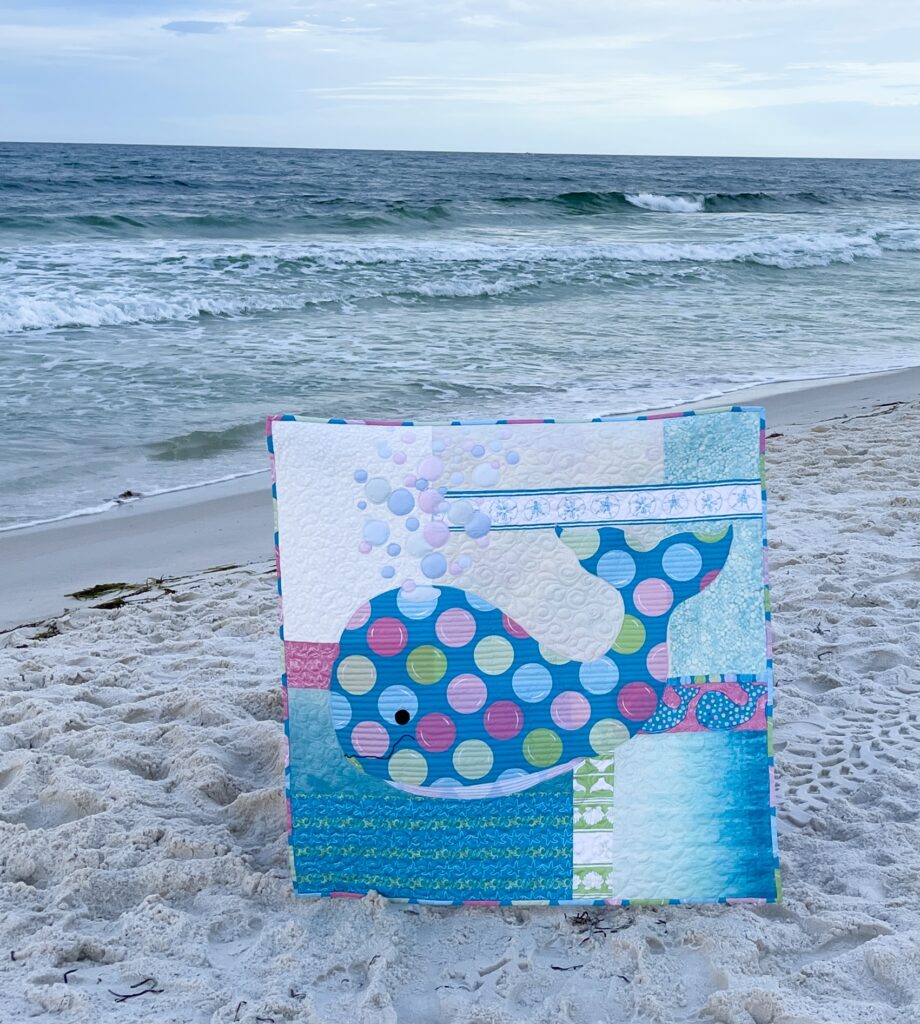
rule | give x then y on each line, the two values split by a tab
452	152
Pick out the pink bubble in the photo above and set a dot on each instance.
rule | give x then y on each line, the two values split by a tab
482	542
429	500
359	616
408	436
708	579
503	720
456	569
570	710
495	464
466	693
364	547
370	739
455	627
387	637
671	697
657	662
653	597
637	701
399	458
408	586
430	468
436	533
513	628
410	480
435	732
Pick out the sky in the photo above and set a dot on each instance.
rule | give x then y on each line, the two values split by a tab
837	78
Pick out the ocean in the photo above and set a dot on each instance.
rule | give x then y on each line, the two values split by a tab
157	302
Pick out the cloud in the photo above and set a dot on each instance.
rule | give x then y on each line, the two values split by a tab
705	90
195	27
639	75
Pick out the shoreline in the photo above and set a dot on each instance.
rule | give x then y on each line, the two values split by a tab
200	527
751	393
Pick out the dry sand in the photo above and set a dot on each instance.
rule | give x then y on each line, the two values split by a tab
142	830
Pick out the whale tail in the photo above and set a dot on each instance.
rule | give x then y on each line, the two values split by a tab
660	577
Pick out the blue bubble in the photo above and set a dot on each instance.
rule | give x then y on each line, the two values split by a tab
362	505
480	604
616	568
438	445
418	604
421	483
376	532
434	565
393	550
401	502
496	446
340	710
377	489
412	524
384	450
512	458
682	562
599	676
455	479
478	525
360	475
446	783
532	682
477	451
388	572
396	698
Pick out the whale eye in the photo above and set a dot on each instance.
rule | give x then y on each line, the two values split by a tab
397	705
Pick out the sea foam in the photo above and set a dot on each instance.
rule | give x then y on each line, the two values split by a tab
666	204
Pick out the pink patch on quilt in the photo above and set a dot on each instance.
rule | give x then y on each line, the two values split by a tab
308	665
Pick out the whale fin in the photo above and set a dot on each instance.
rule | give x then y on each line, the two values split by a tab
686	562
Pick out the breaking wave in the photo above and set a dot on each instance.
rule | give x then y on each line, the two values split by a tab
307	214
274	277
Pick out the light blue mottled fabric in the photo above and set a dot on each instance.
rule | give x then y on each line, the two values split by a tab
710	447
316	757
722	629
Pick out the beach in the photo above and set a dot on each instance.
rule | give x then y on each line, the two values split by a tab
144	870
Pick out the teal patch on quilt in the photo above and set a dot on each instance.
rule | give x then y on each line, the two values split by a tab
516	847
708	789
526	661
722	630
712	447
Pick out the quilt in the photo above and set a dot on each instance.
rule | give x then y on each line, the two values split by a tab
527	661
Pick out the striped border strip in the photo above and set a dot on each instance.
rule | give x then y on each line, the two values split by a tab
699	485
576	523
